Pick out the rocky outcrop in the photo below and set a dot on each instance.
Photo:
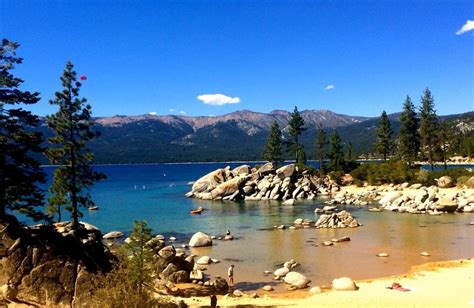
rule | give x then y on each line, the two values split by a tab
414	199
343	219
51	265
263	183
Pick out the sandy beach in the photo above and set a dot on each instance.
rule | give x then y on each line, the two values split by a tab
439	284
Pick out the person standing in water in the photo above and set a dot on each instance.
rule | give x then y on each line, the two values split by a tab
230	273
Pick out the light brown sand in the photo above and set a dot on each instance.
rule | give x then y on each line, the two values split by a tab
441	284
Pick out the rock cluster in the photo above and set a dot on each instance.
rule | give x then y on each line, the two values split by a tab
414	199
343	219
265	183
50	265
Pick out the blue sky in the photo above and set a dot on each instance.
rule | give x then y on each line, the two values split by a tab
352	57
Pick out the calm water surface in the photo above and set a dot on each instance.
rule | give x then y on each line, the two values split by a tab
156	193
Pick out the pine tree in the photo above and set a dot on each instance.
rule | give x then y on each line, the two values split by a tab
384	142
321	143
273	149
296	128
20	173
428	125
408	138
336	157
72	126
140	257
445	139
350	152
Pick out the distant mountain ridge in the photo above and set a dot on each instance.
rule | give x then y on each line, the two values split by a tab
239	135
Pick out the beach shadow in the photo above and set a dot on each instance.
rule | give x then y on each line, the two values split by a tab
253	286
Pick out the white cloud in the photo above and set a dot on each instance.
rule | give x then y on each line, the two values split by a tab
152	113
218	99
468	26
329	87
172	110
182	112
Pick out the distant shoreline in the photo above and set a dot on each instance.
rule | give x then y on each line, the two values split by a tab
254	161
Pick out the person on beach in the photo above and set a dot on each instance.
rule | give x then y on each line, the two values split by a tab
213	301
228	232
230	273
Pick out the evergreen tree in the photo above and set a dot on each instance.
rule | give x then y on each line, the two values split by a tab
408	138
336	157
72	126
384	143
428	125
273	149
20	173
321	143
296	128
140	257
445	138
350	152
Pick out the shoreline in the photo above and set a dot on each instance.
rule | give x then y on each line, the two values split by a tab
433	284
254	161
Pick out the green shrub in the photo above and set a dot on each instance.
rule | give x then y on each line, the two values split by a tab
336	176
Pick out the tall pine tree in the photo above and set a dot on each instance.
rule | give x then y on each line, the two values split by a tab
336	157
445	139
72	127
428	126
273	149
20	173
408	139
296	128
384	143
350	152
321	143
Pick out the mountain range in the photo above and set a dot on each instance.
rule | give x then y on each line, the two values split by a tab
240	135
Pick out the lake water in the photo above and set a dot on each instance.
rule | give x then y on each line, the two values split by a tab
156	193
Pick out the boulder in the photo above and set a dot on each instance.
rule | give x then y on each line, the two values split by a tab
286	171
112	235
8	292
220	284
289	202
389	197
228	187
229	237
196	275
281	272
296	280
266	168
344	284
238	293
170	269
267	288
244	169
446	205
315	290
204	260
200	239
179	277
209	181
445	182
168	253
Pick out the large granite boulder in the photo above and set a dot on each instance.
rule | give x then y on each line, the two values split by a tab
167	253
229	187
286	171
389	197
344	284
209	181
296	280
200	239
244	169
445	182
51	265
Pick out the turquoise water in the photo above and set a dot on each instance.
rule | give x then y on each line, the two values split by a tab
156	193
